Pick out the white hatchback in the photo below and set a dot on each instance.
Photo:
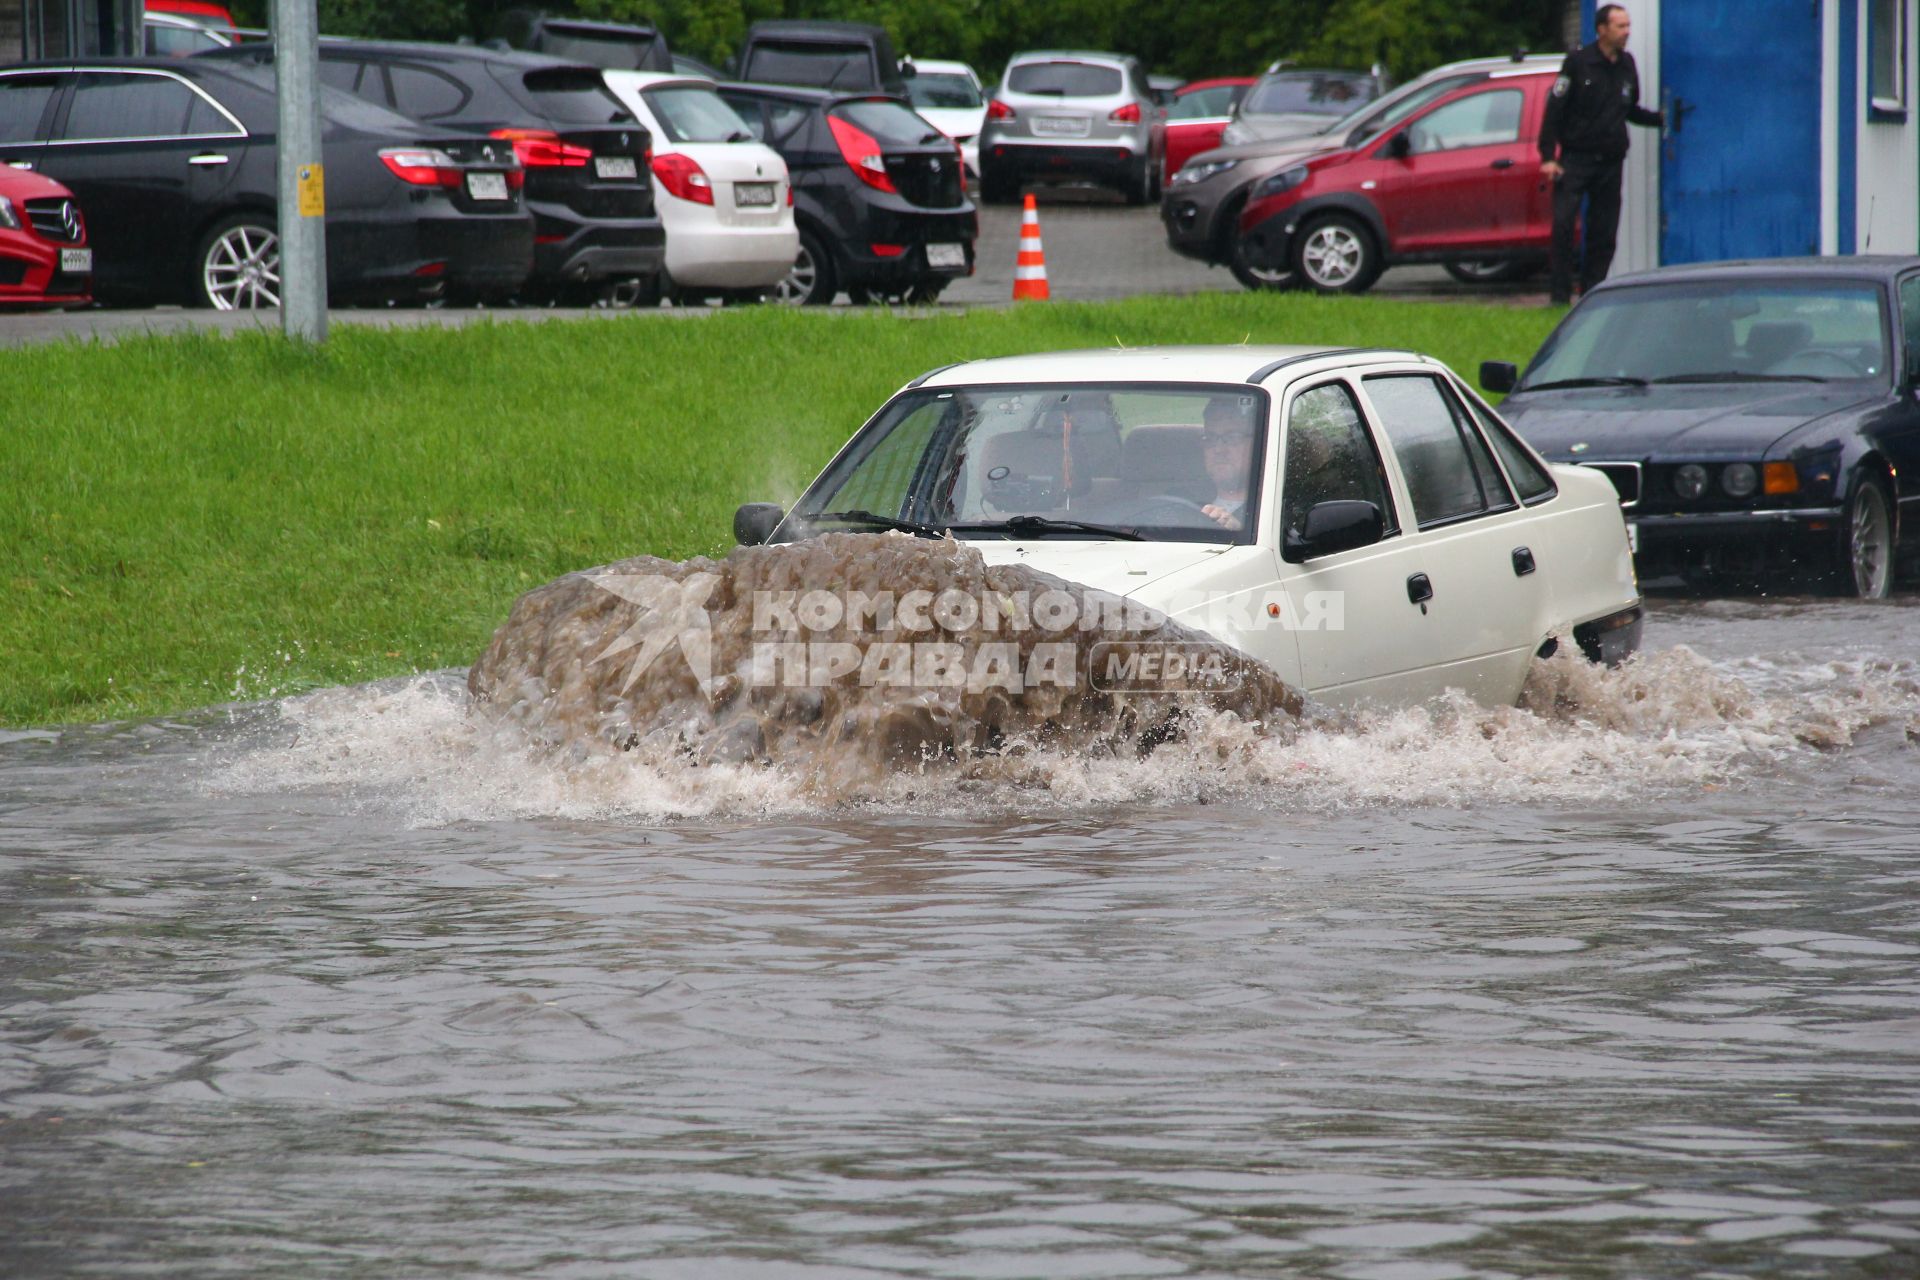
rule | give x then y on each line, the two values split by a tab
723	196
947	95
1359	520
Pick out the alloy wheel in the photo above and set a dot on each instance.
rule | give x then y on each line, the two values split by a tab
1333	255
799	282
242	269
1870	542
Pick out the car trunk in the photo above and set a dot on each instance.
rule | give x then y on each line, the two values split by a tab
599	169
920	163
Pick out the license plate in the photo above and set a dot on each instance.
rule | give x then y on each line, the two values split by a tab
616	167
1059	126
1633	537
947	256
747	194
487	186
76	260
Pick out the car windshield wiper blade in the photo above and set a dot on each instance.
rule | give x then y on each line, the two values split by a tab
1027	525
1733	375
1598	381
878	521
739	135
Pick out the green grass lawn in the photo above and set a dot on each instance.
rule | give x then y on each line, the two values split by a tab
184	520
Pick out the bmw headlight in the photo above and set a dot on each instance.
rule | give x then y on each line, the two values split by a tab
1740	480
1285	180
1690	481
1193	173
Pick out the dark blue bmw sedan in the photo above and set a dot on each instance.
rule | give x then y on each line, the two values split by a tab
1760	419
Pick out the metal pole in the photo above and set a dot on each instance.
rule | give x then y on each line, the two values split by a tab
303	201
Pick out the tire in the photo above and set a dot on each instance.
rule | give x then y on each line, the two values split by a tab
1864	555
236	265
1336	254
1139	187
1259	279
1490	270
813	282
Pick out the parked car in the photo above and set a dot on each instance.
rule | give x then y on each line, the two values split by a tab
1374	478
44	258
597	236
1084	117
1199	111
1164	89
842	57
947	94
877	194
172	35
175	164
1206	196
615	46
1759	419
205	12
1456	180
723	195
1287	101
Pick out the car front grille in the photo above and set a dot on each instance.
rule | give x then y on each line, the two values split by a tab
57	219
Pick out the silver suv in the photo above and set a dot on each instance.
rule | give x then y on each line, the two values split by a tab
1085	117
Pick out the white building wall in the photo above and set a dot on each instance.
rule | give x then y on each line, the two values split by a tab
1887	176
1638	247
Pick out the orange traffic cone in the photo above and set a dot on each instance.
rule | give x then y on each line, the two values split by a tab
1030	271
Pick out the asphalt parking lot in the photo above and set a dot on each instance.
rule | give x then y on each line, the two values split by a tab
1097	249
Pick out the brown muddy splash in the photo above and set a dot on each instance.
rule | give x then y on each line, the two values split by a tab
671	660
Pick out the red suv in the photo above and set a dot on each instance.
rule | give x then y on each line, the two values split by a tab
1459	181
44	258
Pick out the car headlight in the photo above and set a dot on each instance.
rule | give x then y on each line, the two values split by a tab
1739	480
1201	172
8	218
1690	481
1286	180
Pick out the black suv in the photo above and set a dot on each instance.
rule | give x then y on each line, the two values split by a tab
175	164
589	179
877	193
848	57
615	46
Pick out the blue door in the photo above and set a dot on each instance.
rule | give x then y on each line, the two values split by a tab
1740	155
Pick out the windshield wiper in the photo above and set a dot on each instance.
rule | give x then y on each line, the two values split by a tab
935	136
739	135
1599	381
1731	375
878	521
1047	524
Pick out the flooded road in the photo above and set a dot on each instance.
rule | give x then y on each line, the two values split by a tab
341	986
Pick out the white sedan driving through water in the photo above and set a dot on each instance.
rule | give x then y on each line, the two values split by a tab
1358	520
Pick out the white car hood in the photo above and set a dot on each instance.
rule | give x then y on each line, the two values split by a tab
955	122
1120	568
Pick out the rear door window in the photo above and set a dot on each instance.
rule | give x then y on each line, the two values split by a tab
823	65
23	102
1065	79
348	76
108	105
1529	478
568	96
425	94
693	113
1449	473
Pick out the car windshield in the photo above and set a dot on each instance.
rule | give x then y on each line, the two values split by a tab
693	113
1307	93
823	65
1175	463
1065	79
1719	331
939	89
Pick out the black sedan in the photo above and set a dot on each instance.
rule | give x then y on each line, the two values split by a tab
174	162
1760	419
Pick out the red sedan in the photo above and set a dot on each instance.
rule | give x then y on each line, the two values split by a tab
1199	112
44	258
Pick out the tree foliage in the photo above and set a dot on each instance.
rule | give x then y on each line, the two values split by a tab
1207	37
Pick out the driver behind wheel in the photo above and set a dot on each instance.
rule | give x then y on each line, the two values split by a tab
1226	440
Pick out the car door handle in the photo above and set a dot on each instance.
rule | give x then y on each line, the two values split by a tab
1419	590
211	157
1504	162
1522	561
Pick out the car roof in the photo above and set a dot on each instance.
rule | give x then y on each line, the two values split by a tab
1874	266
808	29
216	62
1074	55
808	95
1214	82
1224	365
649	79
942	66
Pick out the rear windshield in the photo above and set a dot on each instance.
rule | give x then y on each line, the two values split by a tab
939	89
690	113
825	66
1065	79
888	122
568	96
614	52
1307	93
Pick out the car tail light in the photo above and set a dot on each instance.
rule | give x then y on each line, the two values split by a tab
862	154
998	110
543	149
682	176
887	250
1129	114
789	195
422	166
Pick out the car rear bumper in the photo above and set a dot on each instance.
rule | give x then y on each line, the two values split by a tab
730	257
398	254
571	249
1111	161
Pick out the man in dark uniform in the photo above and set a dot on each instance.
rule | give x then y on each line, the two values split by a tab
1583	142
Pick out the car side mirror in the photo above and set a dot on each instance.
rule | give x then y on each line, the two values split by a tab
755	522
1400	146
1339	525
1499	376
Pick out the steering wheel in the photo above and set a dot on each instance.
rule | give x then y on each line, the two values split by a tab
1816	357
1185	506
